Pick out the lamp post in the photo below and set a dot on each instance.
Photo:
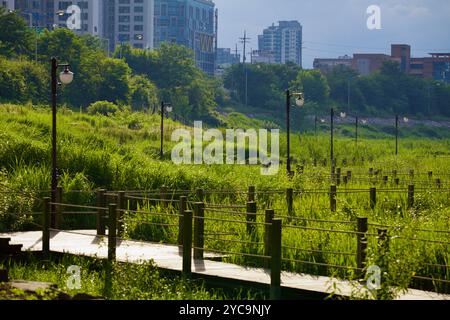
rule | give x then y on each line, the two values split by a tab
315	126
165	107
299	101
396	135
66	77
332	140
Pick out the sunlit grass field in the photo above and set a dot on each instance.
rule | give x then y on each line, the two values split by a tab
122	153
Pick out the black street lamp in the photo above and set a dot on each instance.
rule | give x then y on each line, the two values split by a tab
299	101
165	107
332	140
66	77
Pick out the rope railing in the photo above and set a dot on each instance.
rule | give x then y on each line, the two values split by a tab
320	264
338	253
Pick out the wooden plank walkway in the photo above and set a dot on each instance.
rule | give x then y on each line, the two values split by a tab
169	257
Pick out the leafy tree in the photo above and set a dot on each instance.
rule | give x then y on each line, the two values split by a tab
144	93
15	37
313	84
22	81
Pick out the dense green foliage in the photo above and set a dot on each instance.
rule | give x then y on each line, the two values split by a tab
139	78
384	93
129	281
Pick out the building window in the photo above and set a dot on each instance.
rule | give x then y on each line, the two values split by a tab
124	1
124	37
124	9
138	9
124	19
138	27
164	9
138	18
124	28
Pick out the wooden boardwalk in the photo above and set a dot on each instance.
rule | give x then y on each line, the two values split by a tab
169	257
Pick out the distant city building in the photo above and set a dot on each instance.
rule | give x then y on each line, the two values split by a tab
326	65
115	21
51	14
225	59
192	23
367	63
283	41
436	67
8	4
263	57
129	21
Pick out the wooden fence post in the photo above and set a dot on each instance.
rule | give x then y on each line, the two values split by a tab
373	198
251	194
338	176
290	201
112	232
200	194
349	175
275	270
183	202
411	175
269	216
199	229
397	181
46	227
385	180
121	202
410	196
187	244
345	180
361	242
101	213
430	175
59	209
333	193
438	183
251	217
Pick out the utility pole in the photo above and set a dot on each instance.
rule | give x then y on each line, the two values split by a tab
356	131
245	40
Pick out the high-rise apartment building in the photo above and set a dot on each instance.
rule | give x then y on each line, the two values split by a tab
8	4
80	16
192	23
284	42
129	21
118	21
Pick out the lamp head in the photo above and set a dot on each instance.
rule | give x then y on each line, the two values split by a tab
66	76
299	99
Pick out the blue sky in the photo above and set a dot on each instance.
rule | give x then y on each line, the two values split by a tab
336	27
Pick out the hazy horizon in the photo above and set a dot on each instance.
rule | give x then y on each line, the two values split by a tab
338	27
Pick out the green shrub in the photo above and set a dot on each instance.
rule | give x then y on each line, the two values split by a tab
105	108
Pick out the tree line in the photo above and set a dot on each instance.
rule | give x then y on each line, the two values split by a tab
384	93
139	79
